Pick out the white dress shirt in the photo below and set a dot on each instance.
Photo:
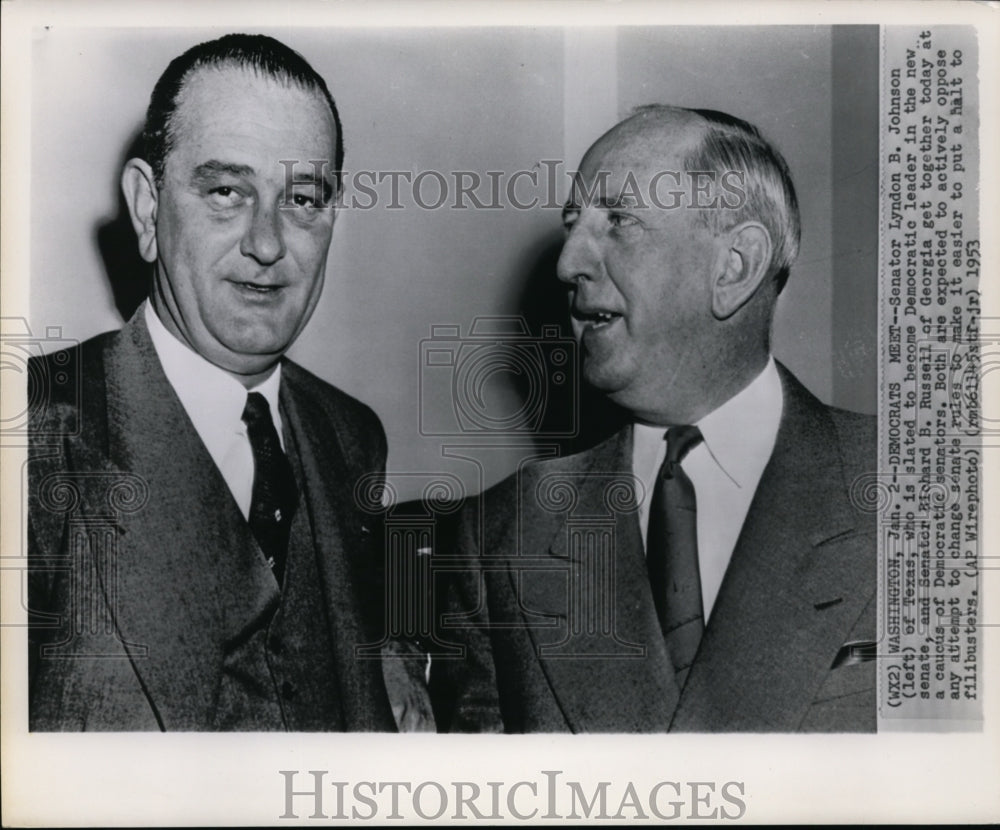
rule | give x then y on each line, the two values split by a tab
214	401
725	469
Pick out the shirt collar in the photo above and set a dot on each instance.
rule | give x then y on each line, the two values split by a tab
739	435
213	398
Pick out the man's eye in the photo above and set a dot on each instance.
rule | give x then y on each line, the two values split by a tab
621	220
224	196
569	218
309	197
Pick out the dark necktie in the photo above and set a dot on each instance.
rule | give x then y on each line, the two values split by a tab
672	553
275	495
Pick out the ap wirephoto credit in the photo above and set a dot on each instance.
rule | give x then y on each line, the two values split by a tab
535	397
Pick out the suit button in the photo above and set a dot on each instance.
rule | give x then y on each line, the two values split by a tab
287	691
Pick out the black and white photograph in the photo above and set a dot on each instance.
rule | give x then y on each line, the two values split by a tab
532	394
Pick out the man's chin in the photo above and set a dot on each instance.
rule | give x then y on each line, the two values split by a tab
256	342
249	359
604	378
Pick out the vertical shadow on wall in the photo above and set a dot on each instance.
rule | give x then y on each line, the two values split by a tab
128	274
543	303
855	61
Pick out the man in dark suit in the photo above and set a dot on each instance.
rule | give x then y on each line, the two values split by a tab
705	568
198	558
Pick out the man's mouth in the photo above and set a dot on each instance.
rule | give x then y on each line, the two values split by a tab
257	288
595	318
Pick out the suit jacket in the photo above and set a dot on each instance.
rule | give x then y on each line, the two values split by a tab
554	611
132	553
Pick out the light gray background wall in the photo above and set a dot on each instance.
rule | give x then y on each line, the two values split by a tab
478	100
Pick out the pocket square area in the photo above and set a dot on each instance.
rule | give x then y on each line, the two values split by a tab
854	652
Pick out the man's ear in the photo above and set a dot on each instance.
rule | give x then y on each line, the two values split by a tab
743	268
139	187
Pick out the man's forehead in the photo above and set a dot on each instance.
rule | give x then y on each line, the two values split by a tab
231	117
207	90
641	146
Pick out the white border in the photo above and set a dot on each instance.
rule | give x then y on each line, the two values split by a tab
232	779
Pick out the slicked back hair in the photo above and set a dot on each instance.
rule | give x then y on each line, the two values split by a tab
260	54
729	144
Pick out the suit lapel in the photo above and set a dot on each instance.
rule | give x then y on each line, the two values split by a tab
349	565
605	659
188	574
794	586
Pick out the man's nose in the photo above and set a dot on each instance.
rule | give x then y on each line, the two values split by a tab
264	239
580	258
